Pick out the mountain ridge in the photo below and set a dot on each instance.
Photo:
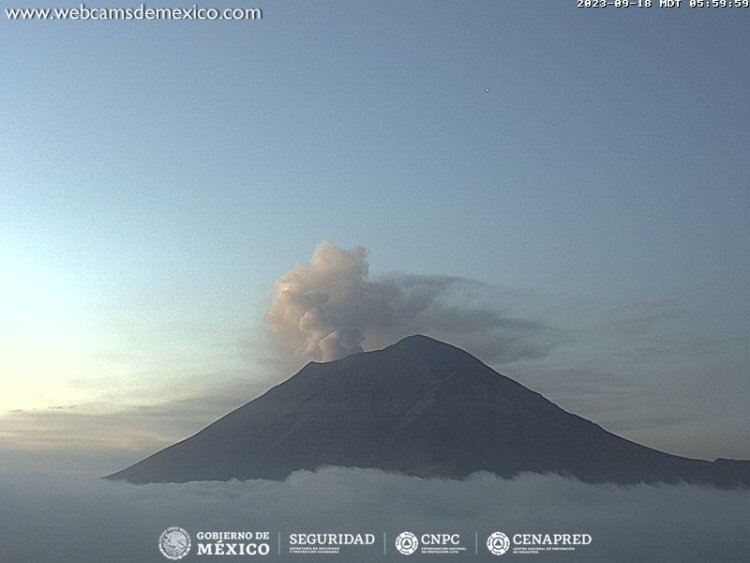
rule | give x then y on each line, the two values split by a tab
419	407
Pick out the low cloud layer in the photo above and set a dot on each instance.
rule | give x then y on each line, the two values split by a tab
331	308
66	521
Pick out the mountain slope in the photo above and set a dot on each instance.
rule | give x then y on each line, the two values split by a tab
419	407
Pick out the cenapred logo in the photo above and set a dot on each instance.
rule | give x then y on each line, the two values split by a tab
498	543
407	543
174	543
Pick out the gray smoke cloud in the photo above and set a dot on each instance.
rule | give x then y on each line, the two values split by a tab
46	519
331	308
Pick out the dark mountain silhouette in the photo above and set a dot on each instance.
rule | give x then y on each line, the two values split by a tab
419	407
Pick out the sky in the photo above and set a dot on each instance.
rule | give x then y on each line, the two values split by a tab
563	192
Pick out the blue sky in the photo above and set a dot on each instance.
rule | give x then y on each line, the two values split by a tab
587	167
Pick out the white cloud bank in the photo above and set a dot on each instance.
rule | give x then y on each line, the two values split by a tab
46	520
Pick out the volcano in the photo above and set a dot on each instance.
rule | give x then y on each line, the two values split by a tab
422	408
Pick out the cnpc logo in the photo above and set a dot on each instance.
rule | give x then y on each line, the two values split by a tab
408	543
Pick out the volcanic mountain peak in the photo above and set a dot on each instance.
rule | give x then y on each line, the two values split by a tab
419	407
420	344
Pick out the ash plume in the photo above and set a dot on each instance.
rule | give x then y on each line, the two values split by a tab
330	308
